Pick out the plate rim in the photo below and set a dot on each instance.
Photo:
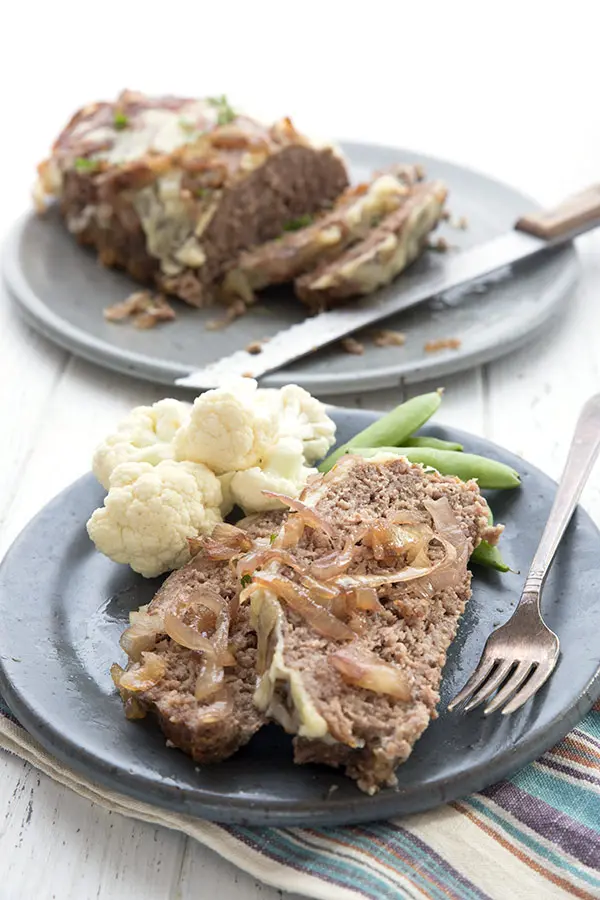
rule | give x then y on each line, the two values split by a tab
244	812
164	372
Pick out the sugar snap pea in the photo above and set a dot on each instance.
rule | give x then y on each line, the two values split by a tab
488	472
393	428
436	443
486	554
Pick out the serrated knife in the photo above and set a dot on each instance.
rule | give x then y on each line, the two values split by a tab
535	233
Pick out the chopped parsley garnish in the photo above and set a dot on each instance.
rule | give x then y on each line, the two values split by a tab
297	224
83	164
246	580
273	538
225	113
120	121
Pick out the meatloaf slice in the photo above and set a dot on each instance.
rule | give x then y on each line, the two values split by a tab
212	729
356	211
326	685
172	189
375	261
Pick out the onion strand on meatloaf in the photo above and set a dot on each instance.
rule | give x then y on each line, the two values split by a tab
172	189
162	674
393	540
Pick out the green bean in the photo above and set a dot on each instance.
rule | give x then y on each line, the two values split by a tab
488	472
393	428
436	443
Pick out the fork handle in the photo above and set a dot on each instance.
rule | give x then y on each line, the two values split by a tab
583	452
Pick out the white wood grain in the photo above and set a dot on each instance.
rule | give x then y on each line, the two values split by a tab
492	94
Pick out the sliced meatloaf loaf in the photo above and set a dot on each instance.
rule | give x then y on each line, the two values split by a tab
172	189
355	616
202	697
376	260
356	211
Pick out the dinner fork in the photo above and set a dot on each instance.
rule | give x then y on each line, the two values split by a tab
520	656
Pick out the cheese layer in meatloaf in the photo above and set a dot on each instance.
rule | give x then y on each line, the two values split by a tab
385	251
172	189
330	691
212	729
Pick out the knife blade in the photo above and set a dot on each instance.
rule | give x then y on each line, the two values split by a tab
536	233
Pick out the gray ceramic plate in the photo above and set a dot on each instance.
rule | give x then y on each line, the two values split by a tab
62	291
63	607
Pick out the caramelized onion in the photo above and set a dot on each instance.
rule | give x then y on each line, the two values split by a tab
145	675
445	521
319	590
210	679
226	541
366	598
141	634
209	608
291	533
219	709
362	669
387	538
308	515
257	558
335	563
298	599
186	636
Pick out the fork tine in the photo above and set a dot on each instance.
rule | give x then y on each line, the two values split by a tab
541	674
491	684
511	687
475	681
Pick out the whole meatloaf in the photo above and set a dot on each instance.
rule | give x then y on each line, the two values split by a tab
381	255
192	651
172	189
355	616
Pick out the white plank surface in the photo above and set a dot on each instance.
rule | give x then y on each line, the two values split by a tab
508	88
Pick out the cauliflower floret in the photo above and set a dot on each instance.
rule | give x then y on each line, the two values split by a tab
303	416
150	512
145	435
230	428
284	472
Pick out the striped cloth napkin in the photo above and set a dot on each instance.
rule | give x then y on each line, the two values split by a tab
534	837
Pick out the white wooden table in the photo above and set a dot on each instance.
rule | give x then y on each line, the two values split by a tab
493	92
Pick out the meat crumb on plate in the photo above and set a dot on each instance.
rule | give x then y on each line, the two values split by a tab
386	337
145	309
442	344
351	345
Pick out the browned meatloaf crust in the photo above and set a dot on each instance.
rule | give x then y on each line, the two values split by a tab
181	717
172	189
370	733
379	257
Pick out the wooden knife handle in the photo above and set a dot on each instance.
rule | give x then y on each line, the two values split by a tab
571	215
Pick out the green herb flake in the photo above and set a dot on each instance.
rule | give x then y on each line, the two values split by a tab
120	120
186	126
225	112
83	164
273	538
246	580
297	224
